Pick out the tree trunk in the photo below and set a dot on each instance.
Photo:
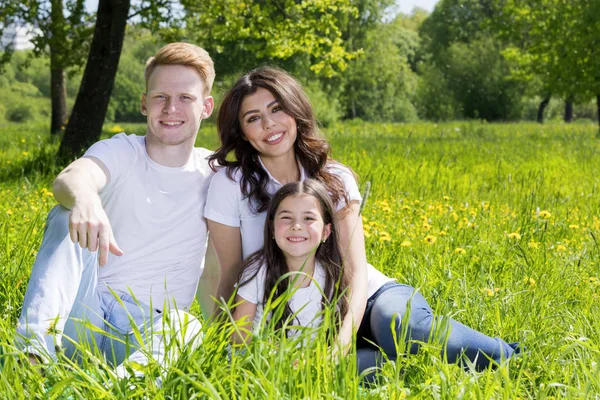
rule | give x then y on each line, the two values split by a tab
87	117
598	111
58	84
543	104
569	109
58	95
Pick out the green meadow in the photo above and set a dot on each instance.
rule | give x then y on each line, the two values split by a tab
496	224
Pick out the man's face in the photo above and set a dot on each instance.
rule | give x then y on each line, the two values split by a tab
175	105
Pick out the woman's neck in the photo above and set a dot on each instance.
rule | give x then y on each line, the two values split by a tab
284	169
306	265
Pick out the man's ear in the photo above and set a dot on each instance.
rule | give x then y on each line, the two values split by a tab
143	108
209	105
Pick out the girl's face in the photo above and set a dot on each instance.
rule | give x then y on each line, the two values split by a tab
269	129
299	226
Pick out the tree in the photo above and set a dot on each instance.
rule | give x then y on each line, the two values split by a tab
463	63
557	41
63	38
292	27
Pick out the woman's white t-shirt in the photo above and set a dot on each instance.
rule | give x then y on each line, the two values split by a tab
228	206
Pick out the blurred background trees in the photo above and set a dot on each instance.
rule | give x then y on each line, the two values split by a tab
497	60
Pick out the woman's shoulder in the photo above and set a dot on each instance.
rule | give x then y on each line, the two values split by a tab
340	170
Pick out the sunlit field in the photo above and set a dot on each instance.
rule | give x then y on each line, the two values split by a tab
496	224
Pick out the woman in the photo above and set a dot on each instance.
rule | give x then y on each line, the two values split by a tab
268	124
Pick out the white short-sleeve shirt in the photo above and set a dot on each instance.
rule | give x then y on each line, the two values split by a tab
305	302
227	205
156	214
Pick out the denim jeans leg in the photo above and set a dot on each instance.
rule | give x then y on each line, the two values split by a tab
393	303
62	288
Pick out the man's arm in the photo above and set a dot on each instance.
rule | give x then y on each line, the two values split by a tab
76	188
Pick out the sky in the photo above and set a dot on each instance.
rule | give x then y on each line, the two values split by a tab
406	6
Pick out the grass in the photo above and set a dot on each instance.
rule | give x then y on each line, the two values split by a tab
496	224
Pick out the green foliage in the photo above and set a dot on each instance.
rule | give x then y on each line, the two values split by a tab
242	35
435	100
495	224
555	42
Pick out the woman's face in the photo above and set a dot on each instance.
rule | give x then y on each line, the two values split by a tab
269	129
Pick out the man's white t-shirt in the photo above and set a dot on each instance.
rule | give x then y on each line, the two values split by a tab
227	205
156	216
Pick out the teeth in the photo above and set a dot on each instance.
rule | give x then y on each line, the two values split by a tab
274	137
296	239
170	123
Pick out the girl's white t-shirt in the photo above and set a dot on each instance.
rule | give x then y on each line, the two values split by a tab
227	205
305	302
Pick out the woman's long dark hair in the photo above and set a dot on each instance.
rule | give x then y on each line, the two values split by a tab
311	149
327	254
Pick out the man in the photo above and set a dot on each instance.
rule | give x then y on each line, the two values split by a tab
128	239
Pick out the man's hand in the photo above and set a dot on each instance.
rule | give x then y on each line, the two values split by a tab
89	226
77	188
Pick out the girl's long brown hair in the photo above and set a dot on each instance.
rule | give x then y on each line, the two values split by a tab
311	149
327	254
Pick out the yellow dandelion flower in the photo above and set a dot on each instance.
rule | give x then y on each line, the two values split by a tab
9	212
430	239
533	245
529	281
460	250
116	129
426	226
406	207
446	198
384	236
514	235
25	154
561	247
364	219
367	234
443	233
545	214
573	226
22	140
406	243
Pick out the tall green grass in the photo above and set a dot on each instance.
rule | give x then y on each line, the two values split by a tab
496	224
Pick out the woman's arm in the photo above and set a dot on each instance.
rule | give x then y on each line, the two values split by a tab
352	246
227	242
243	315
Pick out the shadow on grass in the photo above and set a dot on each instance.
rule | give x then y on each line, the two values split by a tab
42	164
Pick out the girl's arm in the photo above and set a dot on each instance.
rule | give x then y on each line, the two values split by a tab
352	246
243	315
227	241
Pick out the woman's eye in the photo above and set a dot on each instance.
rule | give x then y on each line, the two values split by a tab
186	97
276	108
252	119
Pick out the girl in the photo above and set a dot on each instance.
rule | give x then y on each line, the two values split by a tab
268	124
299	237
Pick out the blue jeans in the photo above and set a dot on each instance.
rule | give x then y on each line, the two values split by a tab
64	298
391	303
